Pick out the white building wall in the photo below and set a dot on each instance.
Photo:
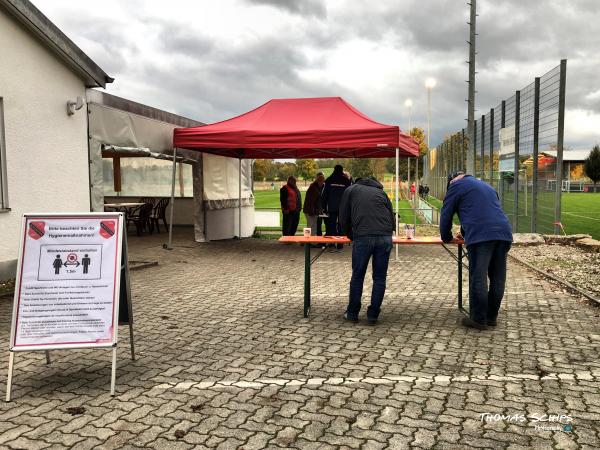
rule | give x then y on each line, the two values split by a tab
46	150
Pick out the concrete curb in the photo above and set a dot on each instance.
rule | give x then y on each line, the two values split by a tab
139	265
564	283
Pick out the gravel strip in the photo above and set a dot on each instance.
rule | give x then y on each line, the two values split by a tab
566	262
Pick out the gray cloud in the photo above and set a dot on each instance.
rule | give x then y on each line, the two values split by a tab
314	8
210	77
235	80
180	41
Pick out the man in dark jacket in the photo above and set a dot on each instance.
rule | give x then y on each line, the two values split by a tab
335	185
488	237
312	203
291	205
367	217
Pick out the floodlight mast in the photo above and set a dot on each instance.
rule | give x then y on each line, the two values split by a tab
471	101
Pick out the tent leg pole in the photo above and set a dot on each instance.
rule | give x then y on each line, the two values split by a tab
240	200
396	197
170	244
408	177
415	201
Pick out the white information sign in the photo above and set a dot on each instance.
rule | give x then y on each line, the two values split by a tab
507	149
67	293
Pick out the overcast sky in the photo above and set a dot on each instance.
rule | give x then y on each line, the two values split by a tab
211	60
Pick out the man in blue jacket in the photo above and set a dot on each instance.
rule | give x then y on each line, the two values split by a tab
488	237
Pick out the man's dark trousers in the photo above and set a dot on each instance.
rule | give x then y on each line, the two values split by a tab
379	247
487	260
290	223
332	226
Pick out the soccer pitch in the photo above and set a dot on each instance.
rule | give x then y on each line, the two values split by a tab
581	213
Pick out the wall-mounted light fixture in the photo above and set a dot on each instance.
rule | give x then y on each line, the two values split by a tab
74	106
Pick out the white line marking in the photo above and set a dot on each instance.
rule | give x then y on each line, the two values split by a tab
583	217
387	380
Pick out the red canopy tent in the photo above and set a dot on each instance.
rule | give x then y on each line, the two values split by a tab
327	127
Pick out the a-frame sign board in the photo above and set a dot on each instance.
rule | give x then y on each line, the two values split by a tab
72	286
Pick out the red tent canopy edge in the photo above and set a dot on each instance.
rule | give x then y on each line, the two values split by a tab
325	127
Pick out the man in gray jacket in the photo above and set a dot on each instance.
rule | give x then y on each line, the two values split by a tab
367	217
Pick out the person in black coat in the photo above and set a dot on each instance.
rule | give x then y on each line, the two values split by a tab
367	217
335	185
312	203
291	205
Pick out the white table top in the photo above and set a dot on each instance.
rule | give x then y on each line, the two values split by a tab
122	205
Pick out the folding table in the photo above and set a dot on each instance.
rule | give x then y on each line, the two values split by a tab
308	242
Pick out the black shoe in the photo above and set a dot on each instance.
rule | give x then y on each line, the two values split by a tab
492	323
470	323
347	318
371	321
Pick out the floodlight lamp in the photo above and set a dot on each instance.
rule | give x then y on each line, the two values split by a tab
408	103
430	83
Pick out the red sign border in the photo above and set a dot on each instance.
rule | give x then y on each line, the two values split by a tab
28	218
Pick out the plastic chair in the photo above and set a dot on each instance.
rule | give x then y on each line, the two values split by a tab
151	200
140	217
159	212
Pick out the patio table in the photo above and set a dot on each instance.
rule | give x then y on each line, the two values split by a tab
125	207
122	205
311	240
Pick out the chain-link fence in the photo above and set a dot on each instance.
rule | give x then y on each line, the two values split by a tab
518	149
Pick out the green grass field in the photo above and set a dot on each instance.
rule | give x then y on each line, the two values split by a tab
266	199
270	200
438	204
434	202
581	213
406	212
329	170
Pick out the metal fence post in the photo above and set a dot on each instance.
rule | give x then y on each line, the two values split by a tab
453	147
457	150
463	164
516	167
501	180
482	152
492	147
475	149
559	142
536	141
445	161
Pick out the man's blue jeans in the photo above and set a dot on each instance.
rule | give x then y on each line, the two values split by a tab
487	260
379	247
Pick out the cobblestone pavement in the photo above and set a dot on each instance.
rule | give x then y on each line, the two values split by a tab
226	360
